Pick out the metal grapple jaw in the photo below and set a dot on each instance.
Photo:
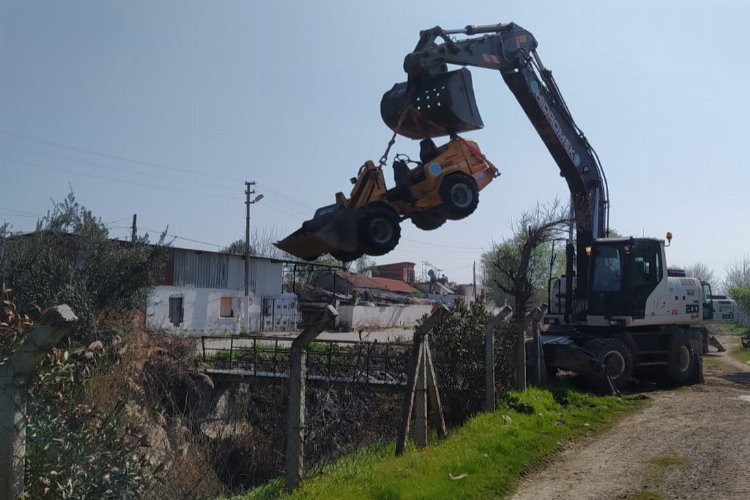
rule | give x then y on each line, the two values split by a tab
433	106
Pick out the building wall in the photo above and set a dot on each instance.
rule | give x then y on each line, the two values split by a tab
401	271
201	307
382	316
201	279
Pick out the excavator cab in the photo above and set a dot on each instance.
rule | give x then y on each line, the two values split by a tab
432	106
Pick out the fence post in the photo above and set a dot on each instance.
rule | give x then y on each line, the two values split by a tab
14	376
489	356
295	442
539	370
415	361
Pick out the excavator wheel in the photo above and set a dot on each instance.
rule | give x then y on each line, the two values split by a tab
459	195
680	359
379	230
616	359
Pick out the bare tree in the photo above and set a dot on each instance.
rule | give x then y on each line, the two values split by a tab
701	271
738	273
516	266
261	244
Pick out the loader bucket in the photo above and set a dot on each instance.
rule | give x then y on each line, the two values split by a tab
333	229
438	105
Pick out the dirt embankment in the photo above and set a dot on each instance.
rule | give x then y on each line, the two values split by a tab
691	442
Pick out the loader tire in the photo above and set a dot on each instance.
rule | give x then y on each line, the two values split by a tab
616	359
459	195
680	359
428	222
380	230
346	256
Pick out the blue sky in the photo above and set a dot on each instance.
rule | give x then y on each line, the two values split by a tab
165	108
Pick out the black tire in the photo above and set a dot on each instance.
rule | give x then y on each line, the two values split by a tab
680	359
428	221
616	358
459	195
346	256
379	230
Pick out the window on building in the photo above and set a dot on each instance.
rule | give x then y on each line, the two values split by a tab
226	308
176	311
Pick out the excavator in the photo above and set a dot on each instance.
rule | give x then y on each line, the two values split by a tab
616	311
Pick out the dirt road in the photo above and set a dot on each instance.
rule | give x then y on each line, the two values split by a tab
692	442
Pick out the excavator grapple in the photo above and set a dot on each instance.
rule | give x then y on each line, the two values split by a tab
444	185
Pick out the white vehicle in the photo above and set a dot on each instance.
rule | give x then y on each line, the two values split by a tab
725	309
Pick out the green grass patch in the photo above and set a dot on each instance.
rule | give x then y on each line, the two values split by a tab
715	363
739	353
657	472
482	459
732	328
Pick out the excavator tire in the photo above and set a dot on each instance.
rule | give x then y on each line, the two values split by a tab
379	230
616	358
680	359
459	195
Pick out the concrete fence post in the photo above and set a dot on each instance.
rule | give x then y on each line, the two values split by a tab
15	373
489	356
295	441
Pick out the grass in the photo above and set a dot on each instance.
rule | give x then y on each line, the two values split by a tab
732	328
741	354
484	458
658	469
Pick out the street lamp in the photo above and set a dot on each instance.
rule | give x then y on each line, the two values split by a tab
248	202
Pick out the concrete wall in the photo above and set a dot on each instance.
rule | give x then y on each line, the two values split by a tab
201	308
382	316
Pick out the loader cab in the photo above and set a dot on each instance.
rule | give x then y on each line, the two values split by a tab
624	272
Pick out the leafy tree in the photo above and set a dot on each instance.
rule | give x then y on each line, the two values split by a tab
77	448
70	259
365	265
737	283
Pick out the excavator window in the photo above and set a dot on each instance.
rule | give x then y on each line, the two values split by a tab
607	269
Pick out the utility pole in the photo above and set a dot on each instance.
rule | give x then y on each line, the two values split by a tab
134	232
249	190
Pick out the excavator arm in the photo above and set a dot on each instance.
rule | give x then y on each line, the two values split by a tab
435	102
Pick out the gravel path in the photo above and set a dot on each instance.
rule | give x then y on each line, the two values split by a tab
691	442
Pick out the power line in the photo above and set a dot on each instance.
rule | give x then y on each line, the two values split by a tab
289	199
112	156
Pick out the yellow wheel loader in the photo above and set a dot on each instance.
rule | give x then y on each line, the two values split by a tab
443	185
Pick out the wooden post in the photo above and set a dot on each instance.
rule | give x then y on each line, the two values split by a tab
295	443
539	370
420	399
433	394
489	356
415	360
14	375
520	357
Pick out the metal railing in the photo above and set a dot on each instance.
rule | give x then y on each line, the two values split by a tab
378	363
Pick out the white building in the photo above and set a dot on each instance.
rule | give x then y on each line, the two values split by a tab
203	293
